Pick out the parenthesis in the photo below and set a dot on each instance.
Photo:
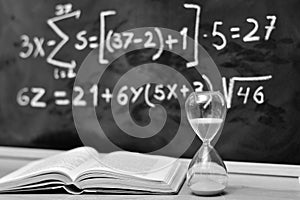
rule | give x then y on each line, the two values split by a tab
147	96
161	42
211	88
108	46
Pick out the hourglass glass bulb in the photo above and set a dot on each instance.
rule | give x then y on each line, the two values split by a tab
207	174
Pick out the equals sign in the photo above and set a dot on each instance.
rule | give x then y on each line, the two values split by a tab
61	94
235	30
93	42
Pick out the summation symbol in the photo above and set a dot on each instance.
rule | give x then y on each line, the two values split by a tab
64	39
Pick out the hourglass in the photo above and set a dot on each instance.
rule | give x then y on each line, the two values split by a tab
206	111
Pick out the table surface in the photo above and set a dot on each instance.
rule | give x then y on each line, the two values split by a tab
241	186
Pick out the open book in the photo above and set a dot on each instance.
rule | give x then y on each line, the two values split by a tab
85	170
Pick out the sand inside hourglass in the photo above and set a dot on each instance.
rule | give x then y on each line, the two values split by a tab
206	128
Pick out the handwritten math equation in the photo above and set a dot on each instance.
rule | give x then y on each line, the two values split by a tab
108	41
34	96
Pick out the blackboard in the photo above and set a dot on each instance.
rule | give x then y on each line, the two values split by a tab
255	45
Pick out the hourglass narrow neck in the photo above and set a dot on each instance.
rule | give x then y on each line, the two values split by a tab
206	142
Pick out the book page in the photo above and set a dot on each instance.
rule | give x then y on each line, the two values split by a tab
139	165
136	162
65	163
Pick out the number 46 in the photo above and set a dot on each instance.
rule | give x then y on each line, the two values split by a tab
258	95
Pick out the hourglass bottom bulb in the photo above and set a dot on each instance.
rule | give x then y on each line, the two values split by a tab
207	174
207	187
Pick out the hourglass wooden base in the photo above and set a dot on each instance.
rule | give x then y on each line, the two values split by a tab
207	174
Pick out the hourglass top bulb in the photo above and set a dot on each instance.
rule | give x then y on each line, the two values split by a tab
206	112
